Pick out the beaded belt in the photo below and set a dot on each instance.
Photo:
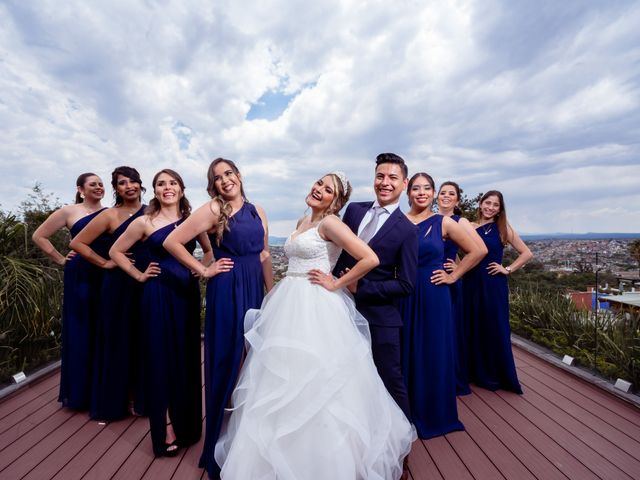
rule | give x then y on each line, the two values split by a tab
297	274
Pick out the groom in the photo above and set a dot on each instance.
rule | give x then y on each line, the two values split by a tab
394	239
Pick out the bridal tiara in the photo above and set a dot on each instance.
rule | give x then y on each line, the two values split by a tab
343	180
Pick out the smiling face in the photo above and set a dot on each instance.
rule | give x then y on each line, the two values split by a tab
490	207
92	188
420	193
227	182
447	199
389	183
322	194
128	189
167	189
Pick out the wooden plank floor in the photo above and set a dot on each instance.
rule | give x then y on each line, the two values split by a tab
561	428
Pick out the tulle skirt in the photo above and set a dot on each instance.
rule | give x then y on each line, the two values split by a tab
309	403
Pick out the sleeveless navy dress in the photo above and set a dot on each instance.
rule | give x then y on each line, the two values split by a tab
171	342
229	296
491	364
116	370
428	341
457	307
82	280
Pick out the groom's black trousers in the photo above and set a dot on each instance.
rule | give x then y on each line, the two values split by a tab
385	345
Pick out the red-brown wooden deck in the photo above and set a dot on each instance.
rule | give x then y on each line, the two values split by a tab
561	428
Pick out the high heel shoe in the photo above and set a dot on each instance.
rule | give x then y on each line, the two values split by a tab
171	449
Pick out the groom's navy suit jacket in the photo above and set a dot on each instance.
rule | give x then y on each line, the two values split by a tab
396	244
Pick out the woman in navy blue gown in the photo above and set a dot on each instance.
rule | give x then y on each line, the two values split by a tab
81	282
170	317
486	292
428	341
448	200
116	376
238	233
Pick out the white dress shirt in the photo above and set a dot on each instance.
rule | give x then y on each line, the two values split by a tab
389	209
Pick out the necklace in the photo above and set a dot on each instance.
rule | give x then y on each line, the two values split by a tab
487	230
131	212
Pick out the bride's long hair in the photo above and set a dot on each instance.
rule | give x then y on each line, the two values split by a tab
342	195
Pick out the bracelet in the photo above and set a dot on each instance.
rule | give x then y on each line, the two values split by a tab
508	269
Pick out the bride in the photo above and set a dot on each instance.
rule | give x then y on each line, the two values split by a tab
309	403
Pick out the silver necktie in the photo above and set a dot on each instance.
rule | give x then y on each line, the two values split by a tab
369	229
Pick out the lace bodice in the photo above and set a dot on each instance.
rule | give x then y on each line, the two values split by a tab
309	250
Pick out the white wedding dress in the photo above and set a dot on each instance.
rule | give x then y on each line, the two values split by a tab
309	403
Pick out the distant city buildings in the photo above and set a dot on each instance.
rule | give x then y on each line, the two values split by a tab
580	255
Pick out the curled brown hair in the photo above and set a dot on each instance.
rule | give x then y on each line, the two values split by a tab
224	206
341	196
501	216
154	205
456	187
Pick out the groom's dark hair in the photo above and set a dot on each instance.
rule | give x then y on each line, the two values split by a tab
393	158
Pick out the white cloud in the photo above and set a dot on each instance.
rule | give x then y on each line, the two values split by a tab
539	102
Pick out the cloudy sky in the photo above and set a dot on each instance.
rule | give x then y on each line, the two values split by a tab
539	99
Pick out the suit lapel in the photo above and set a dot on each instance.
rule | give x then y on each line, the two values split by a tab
359	215
395	217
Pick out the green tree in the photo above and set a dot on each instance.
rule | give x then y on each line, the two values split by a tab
634	250
469	206
35	210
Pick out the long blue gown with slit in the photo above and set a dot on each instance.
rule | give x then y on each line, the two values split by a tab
229	296
117	370
457	307
491	364
171	342
82	280
428	341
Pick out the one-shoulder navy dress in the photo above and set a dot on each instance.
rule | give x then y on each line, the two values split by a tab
171	339
491	364
82	281
229	296
457	308
116	368
428	343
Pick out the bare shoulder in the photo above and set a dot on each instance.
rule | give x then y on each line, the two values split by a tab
330	226
212	206
260	210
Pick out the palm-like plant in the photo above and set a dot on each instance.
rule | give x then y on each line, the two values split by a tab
29	293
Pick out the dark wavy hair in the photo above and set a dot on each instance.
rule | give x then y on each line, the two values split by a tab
129	172
154	205
395	159
501	216
415	177
456	187
82	179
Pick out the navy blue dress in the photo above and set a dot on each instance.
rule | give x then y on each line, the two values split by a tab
229	296
82	281
491	364
428	341
171	342
116	373
457	307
